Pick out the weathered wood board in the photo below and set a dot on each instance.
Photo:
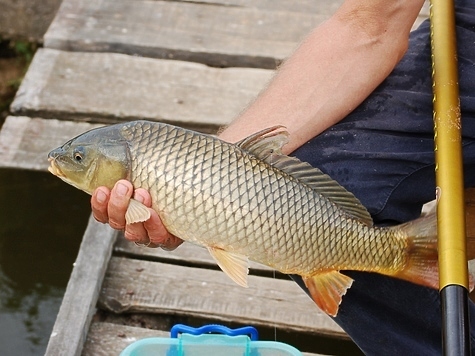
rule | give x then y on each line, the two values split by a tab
106	339
219	33
110	87
79	302
132	286
26	19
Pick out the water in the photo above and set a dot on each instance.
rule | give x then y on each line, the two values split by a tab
42	221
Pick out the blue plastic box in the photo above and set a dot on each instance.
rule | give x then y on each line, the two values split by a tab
187	341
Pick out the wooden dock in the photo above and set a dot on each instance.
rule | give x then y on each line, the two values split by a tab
195	64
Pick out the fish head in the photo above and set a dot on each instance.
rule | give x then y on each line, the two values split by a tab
99	157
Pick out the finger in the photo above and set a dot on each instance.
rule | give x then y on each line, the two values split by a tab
99	202
118	203
159	235
136	233
143	196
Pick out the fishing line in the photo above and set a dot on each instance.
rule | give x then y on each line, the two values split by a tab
273	255
273	274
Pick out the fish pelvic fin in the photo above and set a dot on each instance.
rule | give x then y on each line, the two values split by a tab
136	212
235	266
327	290
422	257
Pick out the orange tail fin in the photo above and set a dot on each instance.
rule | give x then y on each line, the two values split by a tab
422	267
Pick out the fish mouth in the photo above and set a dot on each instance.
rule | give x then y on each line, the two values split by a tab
54	169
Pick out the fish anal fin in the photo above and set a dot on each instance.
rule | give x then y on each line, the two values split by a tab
327	290
235	266
136	212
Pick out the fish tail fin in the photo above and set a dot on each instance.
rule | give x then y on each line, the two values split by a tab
422	266
422	257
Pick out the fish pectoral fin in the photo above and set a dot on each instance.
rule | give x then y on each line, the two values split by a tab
136	212
236	266
327	290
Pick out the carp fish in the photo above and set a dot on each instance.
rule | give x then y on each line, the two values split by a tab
248	201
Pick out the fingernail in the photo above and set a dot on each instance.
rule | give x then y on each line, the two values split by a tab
139	198
101	197
122	189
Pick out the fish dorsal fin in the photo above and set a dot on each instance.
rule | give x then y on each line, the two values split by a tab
267	146
324	185
235	266
266	143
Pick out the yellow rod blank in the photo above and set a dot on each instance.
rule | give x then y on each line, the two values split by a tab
448	151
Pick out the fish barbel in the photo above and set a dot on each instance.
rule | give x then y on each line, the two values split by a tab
249	201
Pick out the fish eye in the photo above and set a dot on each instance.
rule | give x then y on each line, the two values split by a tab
78	154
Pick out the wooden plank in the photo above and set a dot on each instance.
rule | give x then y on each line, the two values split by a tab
78	305
151	287
26	19
219	33
107	339
187	253
302	6
26	142
109	87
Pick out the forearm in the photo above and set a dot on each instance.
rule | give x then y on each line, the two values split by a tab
334	69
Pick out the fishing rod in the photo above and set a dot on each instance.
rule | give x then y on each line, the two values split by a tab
453	272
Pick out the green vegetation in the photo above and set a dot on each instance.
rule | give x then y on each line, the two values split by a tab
15	57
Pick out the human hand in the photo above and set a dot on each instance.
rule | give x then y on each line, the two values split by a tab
109	206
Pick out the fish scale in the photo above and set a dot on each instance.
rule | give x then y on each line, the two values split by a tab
248	200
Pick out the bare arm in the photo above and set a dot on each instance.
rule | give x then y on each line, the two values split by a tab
333	70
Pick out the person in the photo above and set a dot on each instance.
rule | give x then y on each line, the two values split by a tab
356	97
